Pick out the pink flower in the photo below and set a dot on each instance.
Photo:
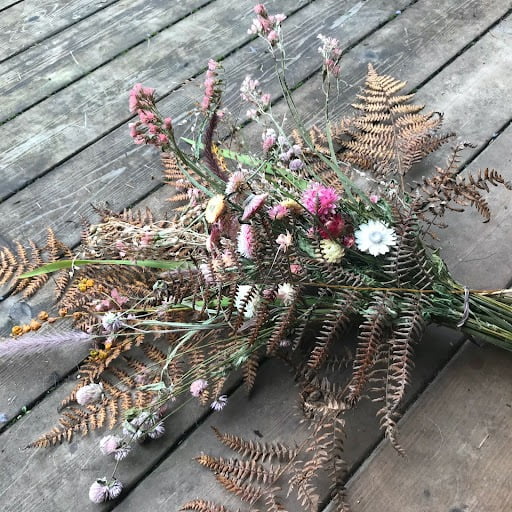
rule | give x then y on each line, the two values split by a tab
254	204
260	9
278	212
374	198
167	123
295	268
246	241
272	37
236	183
265	99
319	199
162	139
198	387
120	299
333	227
212	65
349	241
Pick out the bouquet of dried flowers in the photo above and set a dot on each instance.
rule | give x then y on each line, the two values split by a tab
319	229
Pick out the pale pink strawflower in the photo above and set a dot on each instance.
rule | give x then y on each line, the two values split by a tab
246	241
374	198
219	403
237	182
254	205
89	394
319	199
198	387
278	212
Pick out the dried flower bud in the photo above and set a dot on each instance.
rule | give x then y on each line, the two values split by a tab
43	316
35	325
17	330
214	208
89	394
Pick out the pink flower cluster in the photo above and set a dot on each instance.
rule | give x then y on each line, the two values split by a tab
322	202
211	83
331	54
150	128
265	25
250	91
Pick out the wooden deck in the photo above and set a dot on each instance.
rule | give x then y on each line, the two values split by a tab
66	68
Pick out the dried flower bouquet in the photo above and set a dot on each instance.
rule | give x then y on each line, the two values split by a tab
319	229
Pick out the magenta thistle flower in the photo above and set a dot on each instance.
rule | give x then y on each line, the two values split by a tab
198	387
319	199
254	205
89	394
219	403
246	241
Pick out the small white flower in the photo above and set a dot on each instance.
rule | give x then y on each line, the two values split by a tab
375	237
220	403
242	293
286	293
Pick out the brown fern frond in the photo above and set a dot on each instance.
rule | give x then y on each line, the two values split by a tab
239	470
256	450
204	506
389	136
245	492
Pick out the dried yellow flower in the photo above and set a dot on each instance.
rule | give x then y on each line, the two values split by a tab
17	330
43	316
331	251
292	206
26	328
214	208
34	325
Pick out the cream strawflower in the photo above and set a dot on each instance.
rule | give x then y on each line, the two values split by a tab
375	237
331	251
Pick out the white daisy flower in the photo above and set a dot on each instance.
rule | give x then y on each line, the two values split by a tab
375	237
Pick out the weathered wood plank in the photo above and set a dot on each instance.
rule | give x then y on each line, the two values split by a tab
4	4
31	21
39	71
88	109
145	162
160	494
457	437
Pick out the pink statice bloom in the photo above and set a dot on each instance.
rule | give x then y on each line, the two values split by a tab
211	84
319	199
278	212
331	54
295	268
246	241
254	205
198	387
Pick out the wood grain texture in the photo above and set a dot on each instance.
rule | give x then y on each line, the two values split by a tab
93	106
45	469
31	21
457	437
59	60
